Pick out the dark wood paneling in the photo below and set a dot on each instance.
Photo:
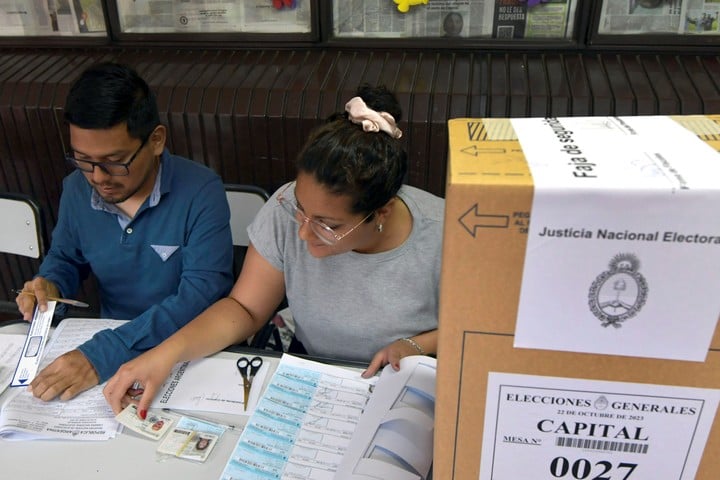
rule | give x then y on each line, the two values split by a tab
246	113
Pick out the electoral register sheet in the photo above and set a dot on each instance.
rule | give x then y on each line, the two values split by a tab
302	425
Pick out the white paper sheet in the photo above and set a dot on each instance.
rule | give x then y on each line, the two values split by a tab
624	241
546	427
303	423
10	347
85	417
394	438
210	385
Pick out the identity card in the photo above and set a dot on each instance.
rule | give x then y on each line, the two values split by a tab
154	426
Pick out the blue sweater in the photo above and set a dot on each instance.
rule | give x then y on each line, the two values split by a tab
162	269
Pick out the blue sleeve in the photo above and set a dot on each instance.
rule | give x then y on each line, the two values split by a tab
64	264
206	277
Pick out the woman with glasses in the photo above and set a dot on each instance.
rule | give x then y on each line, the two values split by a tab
356	252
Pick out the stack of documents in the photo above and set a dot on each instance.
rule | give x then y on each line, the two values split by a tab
323	422
303	423
86	417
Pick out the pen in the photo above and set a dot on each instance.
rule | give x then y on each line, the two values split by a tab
202	419
74	303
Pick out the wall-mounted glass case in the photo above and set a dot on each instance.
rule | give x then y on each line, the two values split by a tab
52	18
214	16
488	19
654	22
423	24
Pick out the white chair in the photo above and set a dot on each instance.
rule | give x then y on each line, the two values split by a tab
22	231
245	201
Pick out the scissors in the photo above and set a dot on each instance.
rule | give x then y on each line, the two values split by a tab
248	369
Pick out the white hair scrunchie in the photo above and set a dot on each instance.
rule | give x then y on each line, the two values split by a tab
371	121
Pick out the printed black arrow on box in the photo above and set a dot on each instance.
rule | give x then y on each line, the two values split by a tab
474	150
477	220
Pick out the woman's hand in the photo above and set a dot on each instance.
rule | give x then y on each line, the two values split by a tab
138	381
391	354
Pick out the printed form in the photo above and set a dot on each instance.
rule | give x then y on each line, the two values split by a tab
303	423
221	388
11	346
552	427
85	417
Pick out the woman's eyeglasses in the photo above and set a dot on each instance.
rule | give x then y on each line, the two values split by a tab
323	232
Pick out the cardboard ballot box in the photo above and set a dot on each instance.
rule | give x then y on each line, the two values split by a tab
579	300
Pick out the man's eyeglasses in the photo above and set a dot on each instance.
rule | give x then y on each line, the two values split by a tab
323	232
115	169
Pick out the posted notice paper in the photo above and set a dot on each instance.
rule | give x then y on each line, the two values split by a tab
623	249
549	427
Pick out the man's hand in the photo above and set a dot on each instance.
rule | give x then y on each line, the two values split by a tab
40	289
67	376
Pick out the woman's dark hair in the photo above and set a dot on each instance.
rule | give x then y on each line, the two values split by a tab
367	166
107	94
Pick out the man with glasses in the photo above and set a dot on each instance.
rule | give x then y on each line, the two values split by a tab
152	227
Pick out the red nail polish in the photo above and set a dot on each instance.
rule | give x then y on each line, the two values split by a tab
143	414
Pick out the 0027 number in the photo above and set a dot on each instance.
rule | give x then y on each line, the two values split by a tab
582	469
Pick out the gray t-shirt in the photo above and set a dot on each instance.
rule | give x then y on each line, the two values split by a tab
352	305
